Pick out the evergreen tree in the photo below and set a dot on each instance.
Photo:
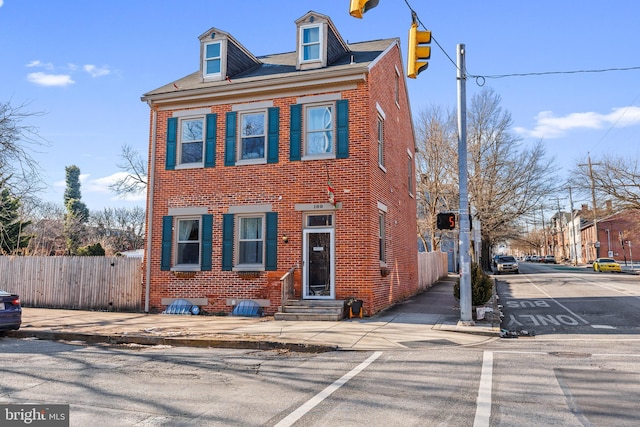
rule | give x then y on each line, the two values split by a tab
77	212
13	237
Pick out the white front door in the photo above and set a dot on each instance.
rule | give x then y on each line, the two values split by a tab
318	269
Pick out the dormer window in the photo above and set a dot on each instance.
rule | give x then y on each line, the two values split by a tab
311	37
212	60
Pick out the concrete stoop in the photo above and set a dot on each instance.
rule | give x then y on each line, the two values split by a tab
312	310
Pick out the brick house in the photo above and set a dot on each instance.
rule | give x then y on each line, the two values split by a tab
301	160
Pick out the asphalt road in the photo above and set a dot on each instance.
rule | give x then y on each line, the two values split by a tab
580	369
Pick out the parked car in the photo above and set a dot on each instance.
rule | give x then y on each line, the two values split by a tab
10	312
549	259
606	264
535	258
507	264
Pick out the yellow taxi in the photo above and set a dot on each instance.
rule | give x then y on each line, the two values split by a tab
606	264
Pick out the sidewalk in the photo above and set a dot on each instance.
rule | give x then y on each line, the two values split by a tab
426	319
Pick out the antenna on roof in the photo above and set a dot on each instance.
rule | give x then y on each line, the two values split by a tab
352	60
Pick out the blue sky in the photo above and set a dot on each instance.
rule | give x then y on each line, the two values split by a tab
86	64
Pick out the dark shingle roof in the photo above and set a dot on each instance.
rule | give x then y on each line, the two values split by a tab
283	65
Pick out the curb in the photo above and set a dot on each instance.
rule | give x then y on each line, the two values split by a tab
118	339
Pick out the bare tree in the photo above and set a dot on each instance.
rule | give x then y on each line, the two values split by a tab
135	167
17	142
119	229
506	180
437	189
615	180
47	228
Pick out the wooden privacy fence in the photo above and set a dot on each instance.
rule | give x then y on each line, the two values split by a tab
84	283
432	266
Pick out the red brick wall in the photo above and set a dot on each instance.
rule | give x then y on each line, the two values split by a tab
359	185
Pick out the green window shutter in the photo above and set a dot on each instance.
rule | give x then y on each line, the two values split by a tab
295	133
172	143
342	107
271	258
274	132
167	236
207	236
210	141
230	140
227	241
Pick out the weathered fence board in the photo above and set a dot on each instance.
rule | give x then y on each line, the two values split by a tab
432	266
84	283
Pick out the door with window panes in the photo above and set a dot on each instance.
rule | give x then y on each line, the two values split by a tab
318	256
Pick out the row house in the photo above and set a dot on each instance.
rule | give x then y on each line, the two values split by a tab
299	162
612	236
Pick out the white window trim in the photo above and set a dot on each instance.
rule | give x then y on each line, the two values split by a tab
320	43
212	76
382	236
236	242
174	242
194	165
260	160
321	156
380	142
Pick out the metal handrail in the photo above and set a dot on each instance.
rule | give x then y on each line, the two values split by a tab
286	286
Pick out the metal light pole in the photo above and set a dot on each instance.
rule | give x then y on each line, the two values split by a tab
465	256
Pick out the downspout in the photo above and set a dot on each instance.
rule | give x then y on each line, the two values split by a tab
151	175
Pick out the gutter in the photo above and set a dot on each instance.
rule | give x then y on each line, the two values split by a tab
151	175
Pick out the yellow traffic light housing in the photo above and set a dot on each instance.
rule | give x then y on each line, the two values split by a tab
358	7
418	52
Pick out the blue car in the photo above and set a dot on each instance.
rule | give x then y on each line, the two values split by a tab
10	312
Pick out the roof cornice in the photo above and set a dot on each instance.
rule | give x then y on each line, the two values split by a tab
268	84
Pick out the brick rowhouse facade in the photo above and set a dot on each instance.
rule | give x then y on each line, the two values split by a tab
253	201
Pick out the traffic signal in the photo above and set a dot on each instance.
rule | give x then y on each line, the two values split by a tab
359	7
446	221
418	52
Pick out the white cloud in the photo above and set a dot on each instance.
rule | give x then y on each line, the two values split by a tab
1	3
40	64
50	78
549	126
46	79
96	71
101	185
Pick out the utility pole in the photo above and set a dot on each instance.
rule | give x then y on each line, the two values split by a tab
465	256
595	215
596	243
573	229
561	243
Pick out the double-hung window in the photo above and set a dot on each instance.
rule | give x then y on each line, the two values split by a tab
250	241
381	237
191	140
252	136
188	241
380	141
311	37
319	131
212	59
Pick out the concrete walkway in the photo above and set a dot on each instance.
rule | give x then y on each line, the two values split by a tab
426	319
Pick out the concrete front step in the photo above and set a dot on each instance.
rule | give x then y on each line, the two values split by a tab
312	310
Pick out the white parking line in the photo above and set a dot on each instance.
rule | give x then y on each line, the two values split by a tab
290	419
483	403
